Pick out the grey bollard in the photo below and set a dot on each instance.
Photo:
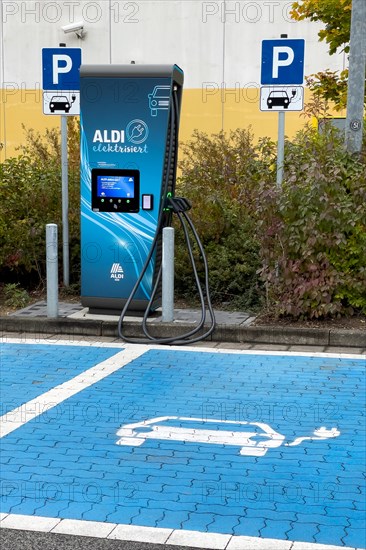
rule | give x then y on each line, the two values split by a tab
52	270
168	275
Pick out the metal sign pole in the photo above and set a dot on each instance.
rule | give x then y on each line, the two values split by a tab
280	147
61	89
282	69
65	201
356	80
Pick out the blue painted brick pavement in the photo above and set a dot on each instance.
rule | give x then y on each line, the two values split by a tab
28	370
177	484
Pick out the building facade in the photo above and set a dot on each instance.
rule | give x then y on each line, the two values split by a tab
217	44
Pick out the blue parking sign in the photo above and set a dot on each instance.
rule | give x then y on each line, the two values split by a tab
283	61
61	68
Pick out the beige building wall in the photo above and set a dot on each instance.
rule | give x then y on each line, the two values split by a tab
217	44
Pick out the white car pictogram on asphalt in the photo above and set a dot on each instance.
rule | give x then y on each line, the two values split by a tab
252	443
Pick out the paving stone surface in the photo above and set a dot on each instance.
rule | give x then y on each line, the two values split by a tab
28	370
220	442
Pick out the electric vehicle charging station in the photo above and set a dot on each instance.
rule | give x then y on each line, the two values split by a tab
129	118
129	129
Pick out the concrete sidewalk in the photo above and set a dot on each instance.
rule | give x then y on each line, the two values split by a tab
232	327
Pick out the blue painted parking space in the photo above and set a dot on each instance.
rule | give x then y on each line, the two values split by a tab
28	370
269	446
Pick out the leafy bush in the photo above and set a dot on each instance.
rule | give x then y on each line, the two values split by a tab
301	247
313	230
30	187
220	175
15	296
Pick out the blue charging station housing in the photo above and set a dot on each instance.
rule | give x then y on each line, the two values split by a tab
126	132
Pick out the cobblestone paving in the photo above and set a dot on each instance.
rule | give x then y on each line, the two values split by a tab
183	471
28	370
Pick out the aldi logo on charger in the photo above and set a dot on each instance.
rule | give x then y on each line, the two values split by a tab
283	61
117	272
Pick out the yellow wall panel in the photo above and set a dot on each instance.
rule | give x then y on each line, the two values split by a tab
22	107
209	111
2	131
197	114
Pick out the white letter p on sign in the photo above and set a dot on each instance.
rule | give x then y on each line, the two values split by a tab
277	62
58	68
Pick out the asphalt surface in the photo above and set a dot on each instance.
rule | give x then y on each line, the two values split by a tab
30	540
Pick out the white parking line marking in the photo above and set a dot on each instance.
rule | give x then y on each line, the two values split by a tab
54	341
196	539
174	537
146	347
16	418
137	533
81	528
29	523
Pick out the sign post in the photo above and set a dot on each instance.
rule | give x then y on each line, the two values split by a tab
280	147
356	78
65	202
282	72
61	96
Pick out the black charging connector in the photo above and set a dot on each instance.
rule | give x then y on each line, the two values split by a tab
178	204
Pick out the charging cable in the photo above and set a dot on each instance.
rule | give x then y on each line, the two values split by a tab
178	206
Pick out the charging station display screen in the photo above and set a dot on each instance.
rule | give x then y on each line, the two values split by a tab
115	190
122	187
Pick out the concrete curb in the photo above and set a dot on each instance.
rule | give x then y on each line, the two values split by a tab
223	332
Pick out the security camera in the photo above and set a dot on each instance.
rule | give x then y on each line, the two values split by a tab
77	28
73	27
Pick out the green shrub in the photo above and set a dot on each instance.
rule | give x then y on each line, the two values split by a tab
30	188
301	247
220	175
15	296
313	230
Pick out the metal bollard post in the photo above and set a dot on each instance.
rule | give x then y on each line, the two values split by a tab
52	270
168	275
